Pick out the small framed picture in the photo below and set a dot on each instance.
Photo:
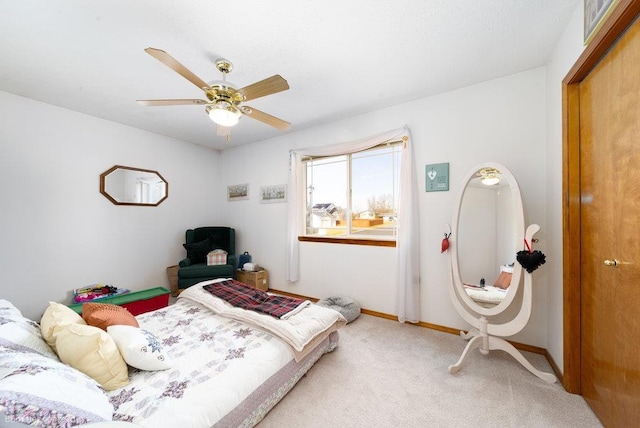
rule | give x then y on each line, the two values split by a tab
437	177
238	192
273	194
595	14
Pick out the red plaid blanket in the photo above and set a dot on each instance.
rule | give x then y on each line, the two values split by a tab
243	296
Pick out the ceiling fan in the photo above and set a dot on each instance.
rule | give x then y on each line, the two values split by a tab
223	103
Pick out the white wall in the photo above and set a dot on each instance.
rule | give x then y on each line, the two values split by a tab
567	51
477	236
57	232
503	120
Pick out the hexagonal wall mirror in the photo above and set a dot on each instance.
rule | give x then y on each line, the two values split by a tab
124	185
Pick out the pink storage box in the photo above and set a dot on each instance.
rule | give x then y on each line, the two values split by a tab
217	257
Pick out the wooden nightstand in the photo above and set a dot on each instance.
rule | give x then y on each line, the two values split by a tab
259	279
137	302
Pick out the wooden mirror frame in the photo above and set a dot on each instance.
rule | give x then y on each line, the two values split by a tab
112	198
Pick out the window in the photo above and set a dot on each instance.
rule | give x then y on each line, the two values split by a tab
354	195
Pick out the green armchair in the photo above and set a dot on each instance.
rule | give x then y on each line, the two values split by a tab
198	243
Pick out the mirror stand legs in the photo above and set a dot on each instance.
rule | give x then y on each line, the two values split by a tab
471	333
501	344
479	339
474	343
485	343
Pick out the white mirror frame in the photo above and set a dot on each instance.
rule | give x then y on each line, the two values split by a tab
458	285
484	334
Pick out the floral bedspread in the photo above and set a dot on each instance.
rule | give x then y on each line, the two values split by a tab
216	364
302	330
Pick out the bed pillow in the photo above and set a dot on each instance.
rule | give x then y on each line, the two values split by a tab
37	390
140	348
20	333
93	352
197	251
503	281
102	315
55	318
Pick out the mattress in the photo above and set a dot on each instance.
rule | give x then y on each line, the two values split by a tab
487	295
224	372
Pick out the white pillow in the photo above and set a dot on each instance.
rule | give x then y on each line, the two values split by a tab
92	351
506	268
140	348
37	390
20	333
55	318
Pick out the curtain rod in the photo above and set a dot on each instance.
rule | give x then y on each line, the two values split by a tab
385	144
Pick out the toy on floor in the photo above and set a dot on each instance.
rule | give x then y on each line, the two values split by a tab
96	292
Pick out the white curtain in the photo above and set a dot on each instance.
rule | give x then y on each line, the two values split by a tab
407	242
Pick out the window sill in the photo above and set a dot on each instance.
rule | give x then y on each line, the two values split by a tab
348	241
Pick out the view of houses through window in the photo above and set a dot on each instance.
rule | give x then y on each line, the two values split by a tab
354	195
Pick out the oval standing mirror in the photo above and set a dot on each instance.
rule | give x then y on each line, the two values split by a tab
125	185
488	229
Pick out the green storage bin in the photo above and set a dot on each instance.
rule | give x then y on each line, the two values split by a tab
137	301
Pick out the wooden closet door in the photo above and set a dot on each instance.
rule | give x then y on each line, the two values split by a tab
610	233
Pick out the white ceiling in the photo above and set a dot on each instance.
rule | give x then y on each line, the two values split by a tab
340	57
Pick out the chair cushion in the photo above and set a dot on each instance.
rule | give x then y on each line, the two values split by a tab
197	251
219	237
203	271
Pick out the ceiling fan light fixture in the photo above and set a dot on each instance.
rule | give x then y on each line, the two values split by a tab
223	114
491	180
489	176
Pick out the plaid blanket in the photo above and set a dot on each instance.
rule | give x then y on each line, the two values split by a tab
243	296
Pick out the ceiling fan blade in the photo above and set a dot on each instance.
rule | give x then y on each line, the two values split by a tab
268	86
185	102
171	62
265	118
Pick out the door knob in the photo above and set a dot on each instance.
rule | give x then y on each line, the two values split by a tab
613	262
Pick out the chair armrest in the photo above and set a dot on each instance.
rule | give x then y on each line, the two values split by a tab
231	260
184	262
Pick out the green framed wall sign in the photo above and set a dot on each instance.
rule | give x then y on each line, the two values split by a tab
436	177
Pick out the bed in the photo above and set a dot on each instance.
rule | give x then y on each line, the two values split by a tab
487	295
221	366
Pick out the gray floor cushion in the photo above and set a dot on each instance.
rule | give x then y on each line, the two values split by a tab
348	307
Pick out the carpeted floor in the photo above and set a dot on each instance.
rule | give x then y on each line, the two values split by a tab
388	374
